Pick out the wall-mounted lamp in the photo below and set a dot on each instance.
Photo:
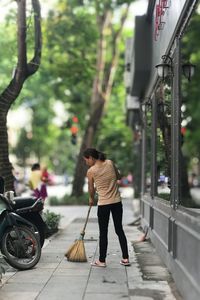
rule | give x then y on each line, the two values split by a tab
165	69
188	70
146	106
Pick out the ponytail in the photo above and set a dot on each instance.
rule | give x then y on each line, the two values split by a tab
102	156
94	153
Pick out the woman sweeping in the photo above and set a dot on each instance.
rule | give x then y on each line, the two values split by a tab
102	177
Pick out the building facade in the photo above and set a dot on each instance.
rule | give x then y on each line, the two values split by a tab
154	104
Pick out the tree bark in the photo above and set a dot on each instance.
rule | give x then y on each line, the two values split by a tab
80	171
23	70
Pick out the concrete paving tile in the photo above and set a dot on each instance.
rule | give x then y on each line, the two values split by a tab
156	272
110	273
134	279
106	287
48	258
46	265
90	296
62	295
131	274
62	240
59	247
18	295
9	274
147	293
55	278
153	288
73	265
59	287
141	298
27	287
34	276
54	250
72	272
107	281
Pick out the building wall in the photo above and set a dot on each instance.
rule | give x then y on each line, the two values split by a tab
176	236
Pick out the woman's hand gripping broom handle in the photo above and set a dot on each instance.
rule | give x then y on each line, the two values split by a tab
83	231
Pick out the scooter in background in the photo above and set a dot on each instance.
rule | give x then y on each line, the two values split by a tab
31	209
19	243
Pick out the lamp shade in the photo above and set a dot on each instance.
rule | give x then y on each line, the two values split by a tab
188	70
163	70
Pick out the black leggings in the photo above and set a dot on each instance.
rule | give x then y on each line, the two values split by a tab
103	214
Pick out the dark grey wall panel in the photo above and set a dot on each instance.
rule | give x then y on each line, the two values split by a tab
188	250
146	211
161	224
176	236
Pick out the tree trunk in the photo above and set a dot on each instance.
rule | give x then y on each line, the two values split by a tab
102	87
5	165
80	171
22	72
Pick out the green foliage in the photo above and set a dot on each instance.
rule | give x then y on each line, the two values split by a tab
114	136
165	196
68	67
72	58
52	219
161	157
65	75
8	60
191	92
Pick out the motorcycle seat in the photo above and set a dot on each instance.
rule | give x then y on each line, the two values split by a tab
20	202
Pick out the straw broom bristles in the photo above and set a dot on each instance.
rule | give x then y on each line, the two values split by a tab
76	251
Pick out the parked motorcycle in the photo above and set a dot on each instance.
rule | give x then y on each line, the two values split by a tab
19	243
30	208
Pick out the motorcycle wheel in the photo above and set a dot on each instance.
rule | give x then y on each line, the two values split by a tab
39	226
21	247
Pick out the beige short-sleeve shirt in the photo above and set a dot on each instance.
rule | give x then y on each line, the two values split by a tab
105	181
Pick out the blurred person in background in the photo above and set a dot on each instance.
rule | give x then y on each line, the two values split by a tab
36	183
45	175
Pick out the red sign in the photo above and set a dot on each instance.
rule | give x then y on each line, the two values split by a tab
74	129
183	130
75	119
160	8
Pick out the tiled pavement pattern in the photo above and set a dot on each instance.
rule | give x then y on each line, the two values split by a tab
54	278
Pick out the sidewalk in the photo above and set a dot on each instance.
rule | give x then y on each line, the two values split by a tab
54	278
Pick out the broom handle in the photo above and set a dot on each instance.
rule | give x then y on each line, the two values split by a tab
83	231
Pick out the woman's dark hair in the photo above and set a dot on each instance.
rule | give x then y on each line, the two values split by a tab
94	153
35	166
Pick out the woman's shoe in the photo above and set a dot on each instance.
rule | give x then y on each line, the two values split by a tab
125	262
98	263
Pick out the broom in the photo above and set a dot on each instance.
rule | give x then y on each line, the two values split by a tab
76	251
